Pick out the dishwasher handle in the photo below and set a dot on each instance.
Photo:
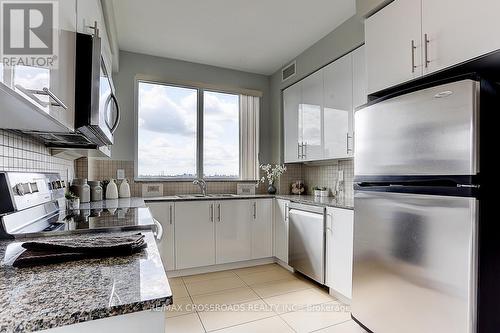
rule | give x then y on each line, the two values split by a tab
307	208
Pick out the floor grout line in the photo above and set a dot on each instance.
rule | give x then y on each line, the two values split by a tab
319	329
201	321
277	313
247	322
258	298
219	278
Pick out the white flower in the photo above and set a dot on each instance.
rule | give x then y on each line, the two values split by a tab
272	172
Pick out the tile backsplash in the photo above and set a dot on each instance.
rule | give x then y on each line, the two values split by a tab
319	175
22	153
94	169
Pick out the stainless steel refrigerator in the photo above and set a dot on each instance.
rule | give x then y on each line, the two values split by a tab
426	253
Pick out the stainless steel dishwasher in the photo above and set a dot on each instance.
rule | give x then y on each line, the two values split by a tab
306	249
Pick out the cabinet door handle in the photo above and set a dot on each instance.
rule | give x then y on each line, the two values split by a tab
54	97
426	50
304	150
45	91
254	210
95	28
413	47
158	229
329	220
219	215
298	149
211	212
170	214
348	137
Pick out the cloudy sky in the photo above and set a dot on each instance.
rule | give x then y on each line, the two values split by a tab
167	132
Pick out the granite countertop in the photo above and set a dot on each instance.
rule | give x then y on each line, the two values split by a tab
305	199
56	295
114	203
318	201
211	196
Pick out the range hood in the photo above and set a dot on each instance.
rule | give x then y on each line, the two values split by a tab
73	144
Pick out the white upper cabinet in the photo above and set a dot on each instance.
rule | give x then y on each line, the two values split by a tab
359	82
337	108
233	237
164	213
459	30
310	117
47	89
318	110
262	228
443	33
291	105
89	13
394	45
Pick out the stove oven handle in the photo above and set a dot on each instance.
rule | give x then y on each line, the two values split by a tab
158	230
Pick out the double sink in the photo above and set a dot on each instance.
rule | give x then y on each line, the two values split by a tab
195	196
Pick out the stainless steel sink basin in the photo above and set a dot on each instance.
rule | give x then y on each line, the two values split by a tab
222	195
187	196
212	195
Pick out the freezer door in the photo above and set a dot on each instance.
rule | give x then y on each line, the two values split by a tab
415	263
428	132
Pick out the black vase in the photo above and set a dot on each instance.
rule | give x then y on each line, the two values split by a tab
271	189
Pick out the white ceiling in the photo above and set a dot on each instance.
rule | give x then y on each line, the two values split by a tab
257	36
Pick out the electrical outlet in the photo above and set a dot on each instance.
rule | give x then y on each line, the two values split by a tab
152	190
120	174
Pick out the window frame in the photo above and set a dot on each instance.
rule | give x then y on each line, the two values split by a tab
200	89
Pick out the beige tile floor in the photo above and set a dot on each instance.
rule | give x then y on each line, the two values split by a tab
258	299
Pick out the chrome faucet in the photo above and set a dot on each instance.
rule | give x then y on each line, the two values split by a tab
202	184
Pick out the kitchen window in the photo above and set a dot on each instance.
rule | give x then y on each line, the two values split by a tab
187	132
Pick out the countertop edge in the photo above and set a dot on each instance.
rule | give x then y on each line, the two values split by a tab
95	314
294	198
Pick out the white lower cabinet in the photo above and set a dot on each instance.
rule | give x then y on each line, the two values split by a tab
262	228
204	233
281	229
339	250
194	234
164	212
233	231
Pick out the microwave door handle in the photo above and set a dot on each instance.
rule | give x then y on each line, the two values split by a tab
106	107
118	116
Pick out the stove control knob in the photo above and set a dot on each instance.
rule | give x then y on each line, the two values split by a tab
19	189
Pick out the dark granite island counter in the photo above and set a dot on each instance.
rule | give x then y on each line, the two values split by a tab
94	295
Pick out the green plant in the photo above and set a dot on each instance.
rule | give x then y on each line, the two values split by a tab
70	196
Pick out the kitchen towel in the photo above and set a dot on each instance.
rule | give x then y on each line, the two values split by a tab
47	251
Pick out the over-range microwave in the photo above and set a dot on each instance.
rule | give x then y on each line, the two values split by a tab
97	113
